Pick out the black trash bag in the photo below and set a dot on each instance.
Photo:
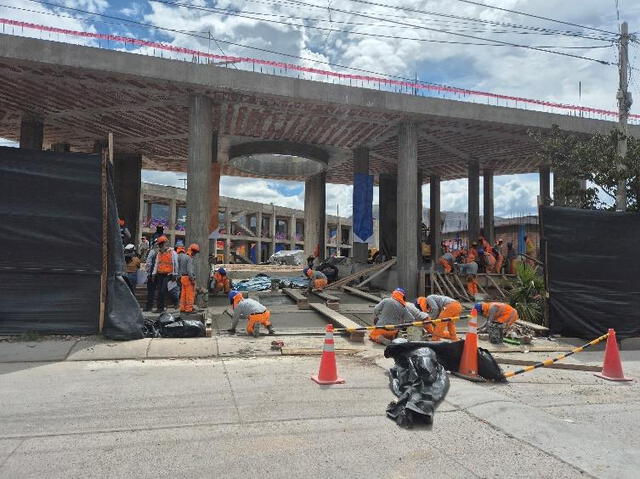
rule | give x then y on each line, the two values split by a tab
420	383
449	355
184	328
151	329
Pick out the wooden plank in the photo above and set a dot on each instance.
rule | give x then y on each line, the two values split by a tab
388	265
569	366
446	285
447	279
461	284
496	286
316	351
538	328
338	320
325	296
301	300
355	276
435	281
361	294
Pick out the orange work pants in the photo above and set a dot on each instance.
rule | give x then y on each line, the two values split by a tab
262	318
319	283
187	294
447	329
375	334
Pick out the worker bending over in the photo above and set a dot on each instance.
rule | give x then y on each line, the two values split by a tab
419	312
390	311
441	307
500	317
317	279
187	274
221	282
251	310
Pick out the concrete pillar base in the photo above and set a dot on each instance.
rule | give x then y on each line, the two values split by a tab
435	218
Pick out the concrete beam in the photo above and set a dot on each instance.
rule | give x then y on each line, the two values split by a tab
127	170
360	252
488	227
199	181
314	216
473	188
407	209
31	133
435	218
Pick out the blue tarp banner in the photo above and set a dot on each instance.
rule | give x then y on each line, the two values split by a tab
362	208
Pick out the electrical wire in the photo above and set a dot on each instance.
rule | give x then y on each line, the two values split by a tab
464	35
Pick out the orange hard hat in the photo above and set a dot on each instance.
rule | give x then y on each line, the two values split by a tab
121	222
162	239
194	247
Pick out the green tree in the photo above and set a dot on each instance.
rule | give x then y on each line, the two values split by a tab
594	159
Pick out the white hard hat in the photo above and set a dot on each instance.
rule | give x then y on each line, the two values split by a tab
129	247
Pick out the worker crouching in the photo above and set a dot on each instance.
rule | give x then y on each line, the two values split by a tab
255	313
221	282
500	317
317	279
440	307
390	312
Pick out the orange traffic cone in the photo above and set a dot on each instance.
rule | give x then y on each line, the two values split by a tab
612	366
328	373
468	368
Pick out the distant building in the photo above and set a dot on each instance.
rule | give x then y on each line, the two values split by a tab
247	228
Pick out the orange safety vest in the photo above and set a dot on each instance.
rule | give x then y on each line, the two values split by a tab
165	262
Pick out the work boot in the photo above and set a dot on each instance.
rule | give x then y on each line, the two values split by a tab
231	330
271	331
256	330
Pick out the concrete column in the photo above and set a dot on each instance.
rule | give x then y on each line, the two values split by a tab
292	231
387	214
272	227
435	217
545	185
315	234
407	209
199	181
487	219
474	201
227	241
214	199
173	218
360	251
127	170
259	235
31	133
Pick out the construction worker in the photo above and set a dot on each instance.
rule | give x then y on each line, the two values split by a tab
490	261
132	262
390	311
472	285
530	249
446	261
221	282
165	269
512	258
500	317
419	311
246	308
125	234
317	279
187	275
439	307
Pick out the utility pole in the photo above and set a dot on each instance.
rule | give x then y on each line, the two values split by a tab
624	105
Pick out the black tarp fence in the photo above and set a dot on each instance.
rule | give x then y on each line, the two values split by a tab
593	271
51	219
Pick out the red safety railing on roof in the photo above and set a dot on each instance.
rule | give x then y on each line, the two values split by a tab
326	73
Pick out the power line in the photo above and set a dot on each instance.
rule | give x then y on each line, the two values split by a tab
464	35
539	17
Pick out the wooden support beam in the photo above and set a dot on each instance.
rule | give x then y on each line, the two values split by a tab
332	302
301	300
461	284
445	284
495	285
362	294
339	320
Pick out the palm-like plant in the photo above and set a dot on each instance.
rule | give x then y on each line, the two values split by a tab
527	295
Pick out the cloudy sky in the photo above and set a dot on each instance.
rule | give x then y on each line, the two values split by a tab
452	42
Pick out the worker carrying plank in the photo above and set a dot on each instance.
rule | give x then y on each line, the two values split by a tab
317	279
390	311
439	307
500	317
255	313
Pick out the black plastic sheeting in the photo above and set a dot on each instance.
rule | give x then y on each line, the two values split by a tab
51	225
592	267
169	326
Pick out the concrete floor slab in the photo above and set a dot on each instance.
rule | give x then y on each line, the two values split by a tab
182	348
34	351
95	349
282	320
